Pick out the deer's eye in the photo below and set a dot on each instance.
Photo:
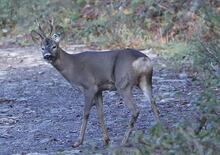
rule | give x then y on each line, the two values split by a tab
42	48
54	47
55	36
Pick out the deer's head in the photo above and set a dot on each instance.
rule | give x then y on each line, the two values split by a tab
48	37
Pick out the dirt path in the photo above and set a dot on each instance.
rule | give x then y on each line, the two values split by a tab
41	112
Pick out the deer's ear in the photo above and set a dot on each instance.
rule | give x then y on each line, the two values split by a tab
58	34
36	37
56	37
59	29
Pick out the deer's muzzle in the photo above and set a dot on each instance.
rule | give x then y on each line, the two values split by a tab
48	56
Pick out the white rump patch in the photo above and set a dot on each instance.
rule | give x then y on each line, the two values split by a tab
142	65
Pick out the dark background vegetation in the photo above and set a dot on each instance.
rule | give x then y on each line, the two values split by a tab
184	32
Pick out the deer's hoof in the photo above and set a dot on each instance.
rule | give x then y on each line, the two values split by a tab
125	144
124	141
77	143
106	141
158	111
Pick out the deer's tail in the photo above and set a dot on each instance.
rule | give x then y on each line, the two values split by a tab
142	65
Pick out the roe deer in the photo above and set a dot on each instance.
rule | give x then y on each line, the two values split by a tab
94	72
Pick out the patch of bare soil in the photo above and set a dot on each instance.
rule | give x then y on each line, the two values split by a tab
41	112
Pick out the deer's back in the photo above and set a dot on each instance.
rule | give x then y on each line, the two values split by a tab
106	68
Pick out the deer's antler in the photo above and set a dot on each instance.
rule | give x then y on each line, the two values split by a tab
40	32
48	28
51	22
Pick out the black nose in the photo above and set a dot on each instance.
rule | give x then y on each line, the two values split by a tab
48	57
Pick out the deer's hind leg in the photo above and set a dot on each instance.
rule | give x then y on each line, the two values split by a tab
126	93
146	86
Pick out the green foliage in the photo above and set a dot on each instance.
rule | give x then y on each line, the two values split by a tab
105	23
183	139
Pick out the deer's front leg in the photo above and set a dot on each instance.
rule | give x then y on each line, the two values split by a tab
99	107
89	96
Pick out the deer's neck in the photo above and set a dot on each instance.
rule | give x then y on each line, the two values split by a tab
62	61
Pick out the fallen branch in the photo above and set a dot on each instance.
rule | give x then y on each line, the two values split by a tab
3	100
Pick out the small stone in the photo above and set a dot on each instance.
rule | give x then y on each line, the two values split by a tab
21	61
7	121
188	105
41	72
71	152
45	140
4	30
183	75
4	110
36	153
